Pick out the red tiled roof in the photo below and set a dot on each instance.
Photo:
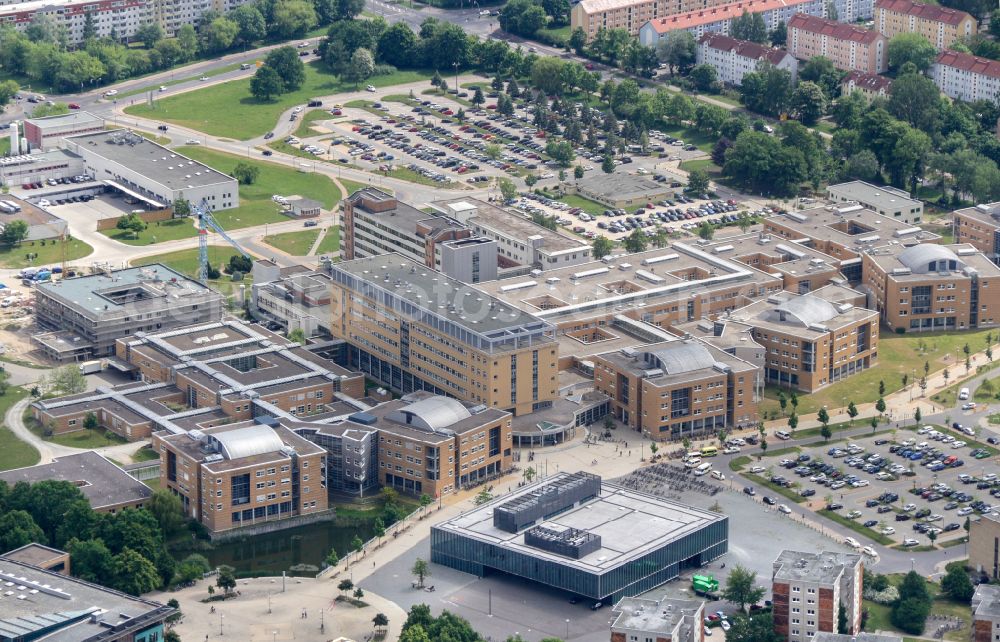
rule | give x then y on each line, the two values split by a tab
924	11
832	29
719	13
970	63
743	48
864	80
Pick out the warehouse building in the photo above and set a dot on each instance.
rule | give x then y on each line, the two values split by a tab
151	173
574	533
623	190
88	314
47	133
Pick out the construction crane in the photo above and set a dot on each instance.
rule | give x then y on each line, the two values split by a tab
206	221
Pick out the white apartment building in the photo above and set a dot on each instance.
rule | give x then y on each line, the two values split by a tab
734	58
120	17
966	77
809	588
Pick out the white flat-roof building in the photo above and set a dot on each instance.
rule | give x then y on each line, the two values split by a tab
132	164
48	132
883	200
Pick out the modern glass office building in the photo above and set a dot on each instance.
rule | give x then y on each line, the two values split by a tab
602	545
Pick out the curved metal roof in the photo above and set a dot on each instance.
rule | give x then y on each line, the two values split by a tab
247	442
434	413
919	257
809	310
683	357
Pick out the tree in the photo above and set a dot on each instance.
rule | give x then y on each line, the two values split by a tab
250	24
356	543
380	621
704	77
956	584
345	585
522	17
286	61
602	246
910	615
578	40
820	70
758	628
608	164
132	222
862	165
292	18
421	570
823	416
226	579
166	507
779	35
17	528
842	619
767	90
706	231
561	152
749	26
477	96
265	85
361	67
507	189
763	164
91	560
578	172
245	173
698	182
219	35
874	423
358	593
14	232
880	405
90	421
148	34
793	421
808	102
910	47
741	588
332	559
678	50
911	99
134	574
67	380
298	336
636	241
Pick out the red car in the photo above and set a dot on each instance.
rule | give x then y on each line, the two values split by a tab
73	106
589	66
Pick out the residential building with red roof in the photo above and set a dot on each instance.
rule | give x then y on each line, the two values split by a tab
734	58
717	19
940	25
849	47
966	77
869	85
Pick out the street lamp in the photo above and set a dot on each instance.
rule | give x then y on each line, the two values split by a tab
567	629
455	65
221	618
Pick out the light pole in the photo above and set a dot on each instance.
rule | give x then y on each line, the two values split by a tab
567	629
274	635
455	65
221	618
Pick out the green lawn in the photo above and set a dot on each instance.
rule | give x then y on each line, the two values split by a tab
879	615
713	170
560	33
787	493
590	207
228	110
153	483
176	81
256	206
146	453
353	186
294	243
330	242
691	136
50	252
897	355
306	122
170	230
84	438
14	453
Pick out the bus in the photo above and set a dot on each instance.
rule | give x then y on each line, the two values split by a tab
709	451
704	468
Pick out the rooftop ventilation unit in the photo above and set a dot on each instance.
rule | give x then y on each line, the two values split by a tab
660	259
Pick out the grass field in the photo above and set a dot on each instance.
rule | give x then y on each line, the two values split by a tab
353	186
294	243
51	252
306	122
146	453
691	136
14	453
713	170
176	81
186	262
84	438
256	206
879	615
897	355
171	230
228	110
330	242
590	207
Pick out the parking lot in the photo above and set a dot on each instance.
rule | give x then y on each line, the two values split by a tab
926	481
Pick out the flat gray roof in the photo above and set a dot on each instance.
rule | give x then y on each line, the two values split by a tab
34	600
864	636
512	224
73	118
165	166
137	290
986	601
101	482
450	299
821	568
885	199
655	616
624	186
630	524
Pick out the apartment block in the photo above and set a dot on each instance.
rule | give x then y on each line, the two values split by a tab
812	340
413	328
966	77
933	287
108	17
868	85
984	548
986	613
678	389
594	15
808	590
734	58
882	200
979	226
663	620
716	19
940	25
88	314
242	474
848	47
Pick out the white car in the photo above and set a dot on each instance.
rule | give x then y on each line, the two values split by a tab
837	485
853	543
725	625
965	510
708	631
969	406
909	507
958	444
716	474
860	483
868	550
909	541
111	92
731	450
854	514
785	462
784	509
192	141
756	470
934	518
44	203
203	78
925	430
163	87
370	88
297	110
888	530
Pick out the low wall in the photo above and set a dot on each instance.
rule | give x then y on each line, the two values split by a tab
271	526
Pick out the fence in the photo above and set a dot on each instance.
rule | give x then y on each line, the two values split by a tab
374	543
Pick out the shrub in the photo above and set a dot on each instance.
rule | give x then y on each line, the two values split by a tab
384	70
888	596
